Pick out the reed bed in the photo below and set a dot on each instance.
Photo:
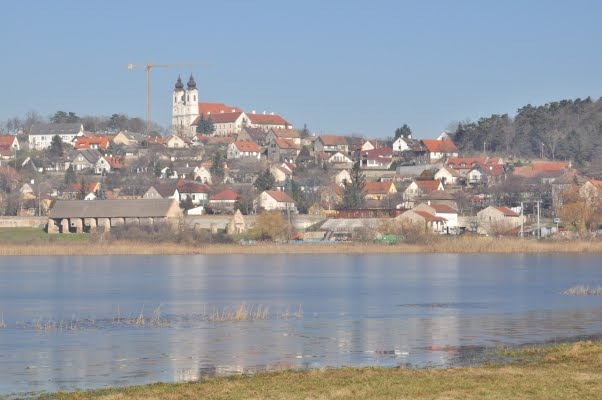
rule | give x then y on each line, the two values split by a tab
582	290
462	244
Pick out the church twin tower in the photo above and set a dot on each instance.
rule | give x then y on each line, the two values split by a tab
185	108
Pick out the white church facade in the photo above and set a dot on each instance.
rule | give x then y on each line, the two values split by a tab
227	120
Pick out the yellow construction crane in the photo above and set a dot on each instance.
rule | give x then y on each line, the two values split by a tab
149	68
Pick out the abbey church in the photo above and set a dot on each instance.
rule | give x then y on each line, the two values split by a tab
188	111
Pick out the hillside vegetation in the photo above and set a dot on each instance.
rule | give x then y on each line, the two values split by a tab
563	130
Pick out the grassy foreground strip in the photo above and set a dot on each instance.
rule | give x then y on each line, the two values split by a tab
572	371
77	246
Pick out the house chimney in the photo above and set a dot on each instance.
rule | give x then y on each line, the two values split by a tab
253	112
264	112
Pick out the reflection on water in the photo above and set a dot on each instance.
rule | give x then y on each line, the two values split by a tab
104	321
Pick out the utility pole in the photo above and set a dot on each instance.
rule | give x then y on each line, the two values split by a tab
521	220
538	226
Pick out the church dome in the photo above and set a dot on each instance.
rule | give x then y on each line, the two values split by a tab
179	84
191	83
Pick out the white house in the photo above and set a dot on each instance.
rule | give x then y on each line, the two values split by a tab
497	220
202	174
400	144
275	200
447	175
331	144
40	136
444	211
176	142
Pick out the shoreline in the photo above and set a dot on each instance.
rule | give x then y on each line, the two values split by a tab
464	245
563	371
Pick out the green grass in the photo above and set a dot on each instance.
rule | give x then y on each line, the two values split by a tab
571	371
36	235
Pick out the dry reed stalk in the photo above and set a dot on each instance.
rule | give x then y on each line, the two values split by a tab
581	290
2	324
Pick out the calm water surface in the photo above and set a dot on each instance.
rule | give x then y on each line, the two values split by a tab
77	322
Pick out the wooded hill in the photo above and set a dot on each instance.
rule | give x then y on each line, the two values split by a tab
564	130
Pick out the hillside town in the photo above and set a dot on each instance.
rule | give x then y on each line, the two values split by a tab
225	166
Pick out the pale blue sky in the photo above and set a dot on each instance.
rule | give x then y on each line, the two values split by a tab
339	66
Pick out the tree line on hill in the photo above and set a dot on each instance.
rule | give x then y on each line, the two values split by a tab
114	123
562	130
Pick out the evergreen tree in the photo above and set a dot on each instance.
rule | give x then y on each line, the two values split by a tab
70	176
157	170
217	167
56	147
265	181
353	194
205	126
404	132
82	190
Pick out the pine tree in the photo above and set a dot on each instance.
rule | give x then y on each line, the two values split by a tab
56	147
70	176
217	167
353	194
265	181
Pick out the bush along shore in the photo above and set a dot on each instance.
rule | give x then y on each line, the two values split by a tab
567	371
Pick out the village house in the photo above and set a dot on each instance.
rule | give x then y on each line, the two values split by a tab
129	139
40	135
379	158
417	189
82	160
448	175
444	211
202	173
430	222
280	173
243	150
163	190
401	144
176	142
341	177
107	164
439	149
9	142
331	144
280	149
248	134
198	192
497	221
289	134
544	171
274	200
223	201
591	190
74	192
379	190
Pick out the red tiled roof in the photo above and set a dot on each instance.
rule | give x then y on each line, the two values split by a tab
550	165
456	162
249	147
428	186
221	118
216	108
286	144
267	119
7	139
494	170
225	195
155	139
378	187
114	162
429	217
83	142
506	211
330	140
279	196
439	146
383	153
192	187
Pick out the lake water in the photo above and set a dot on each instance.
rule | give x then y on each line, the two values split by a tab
90	322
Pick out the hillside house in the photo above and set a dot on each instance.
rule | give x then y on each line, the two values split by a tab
331	144
40	135
437	150
266	122
243	150
379	190
418	189
280	149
